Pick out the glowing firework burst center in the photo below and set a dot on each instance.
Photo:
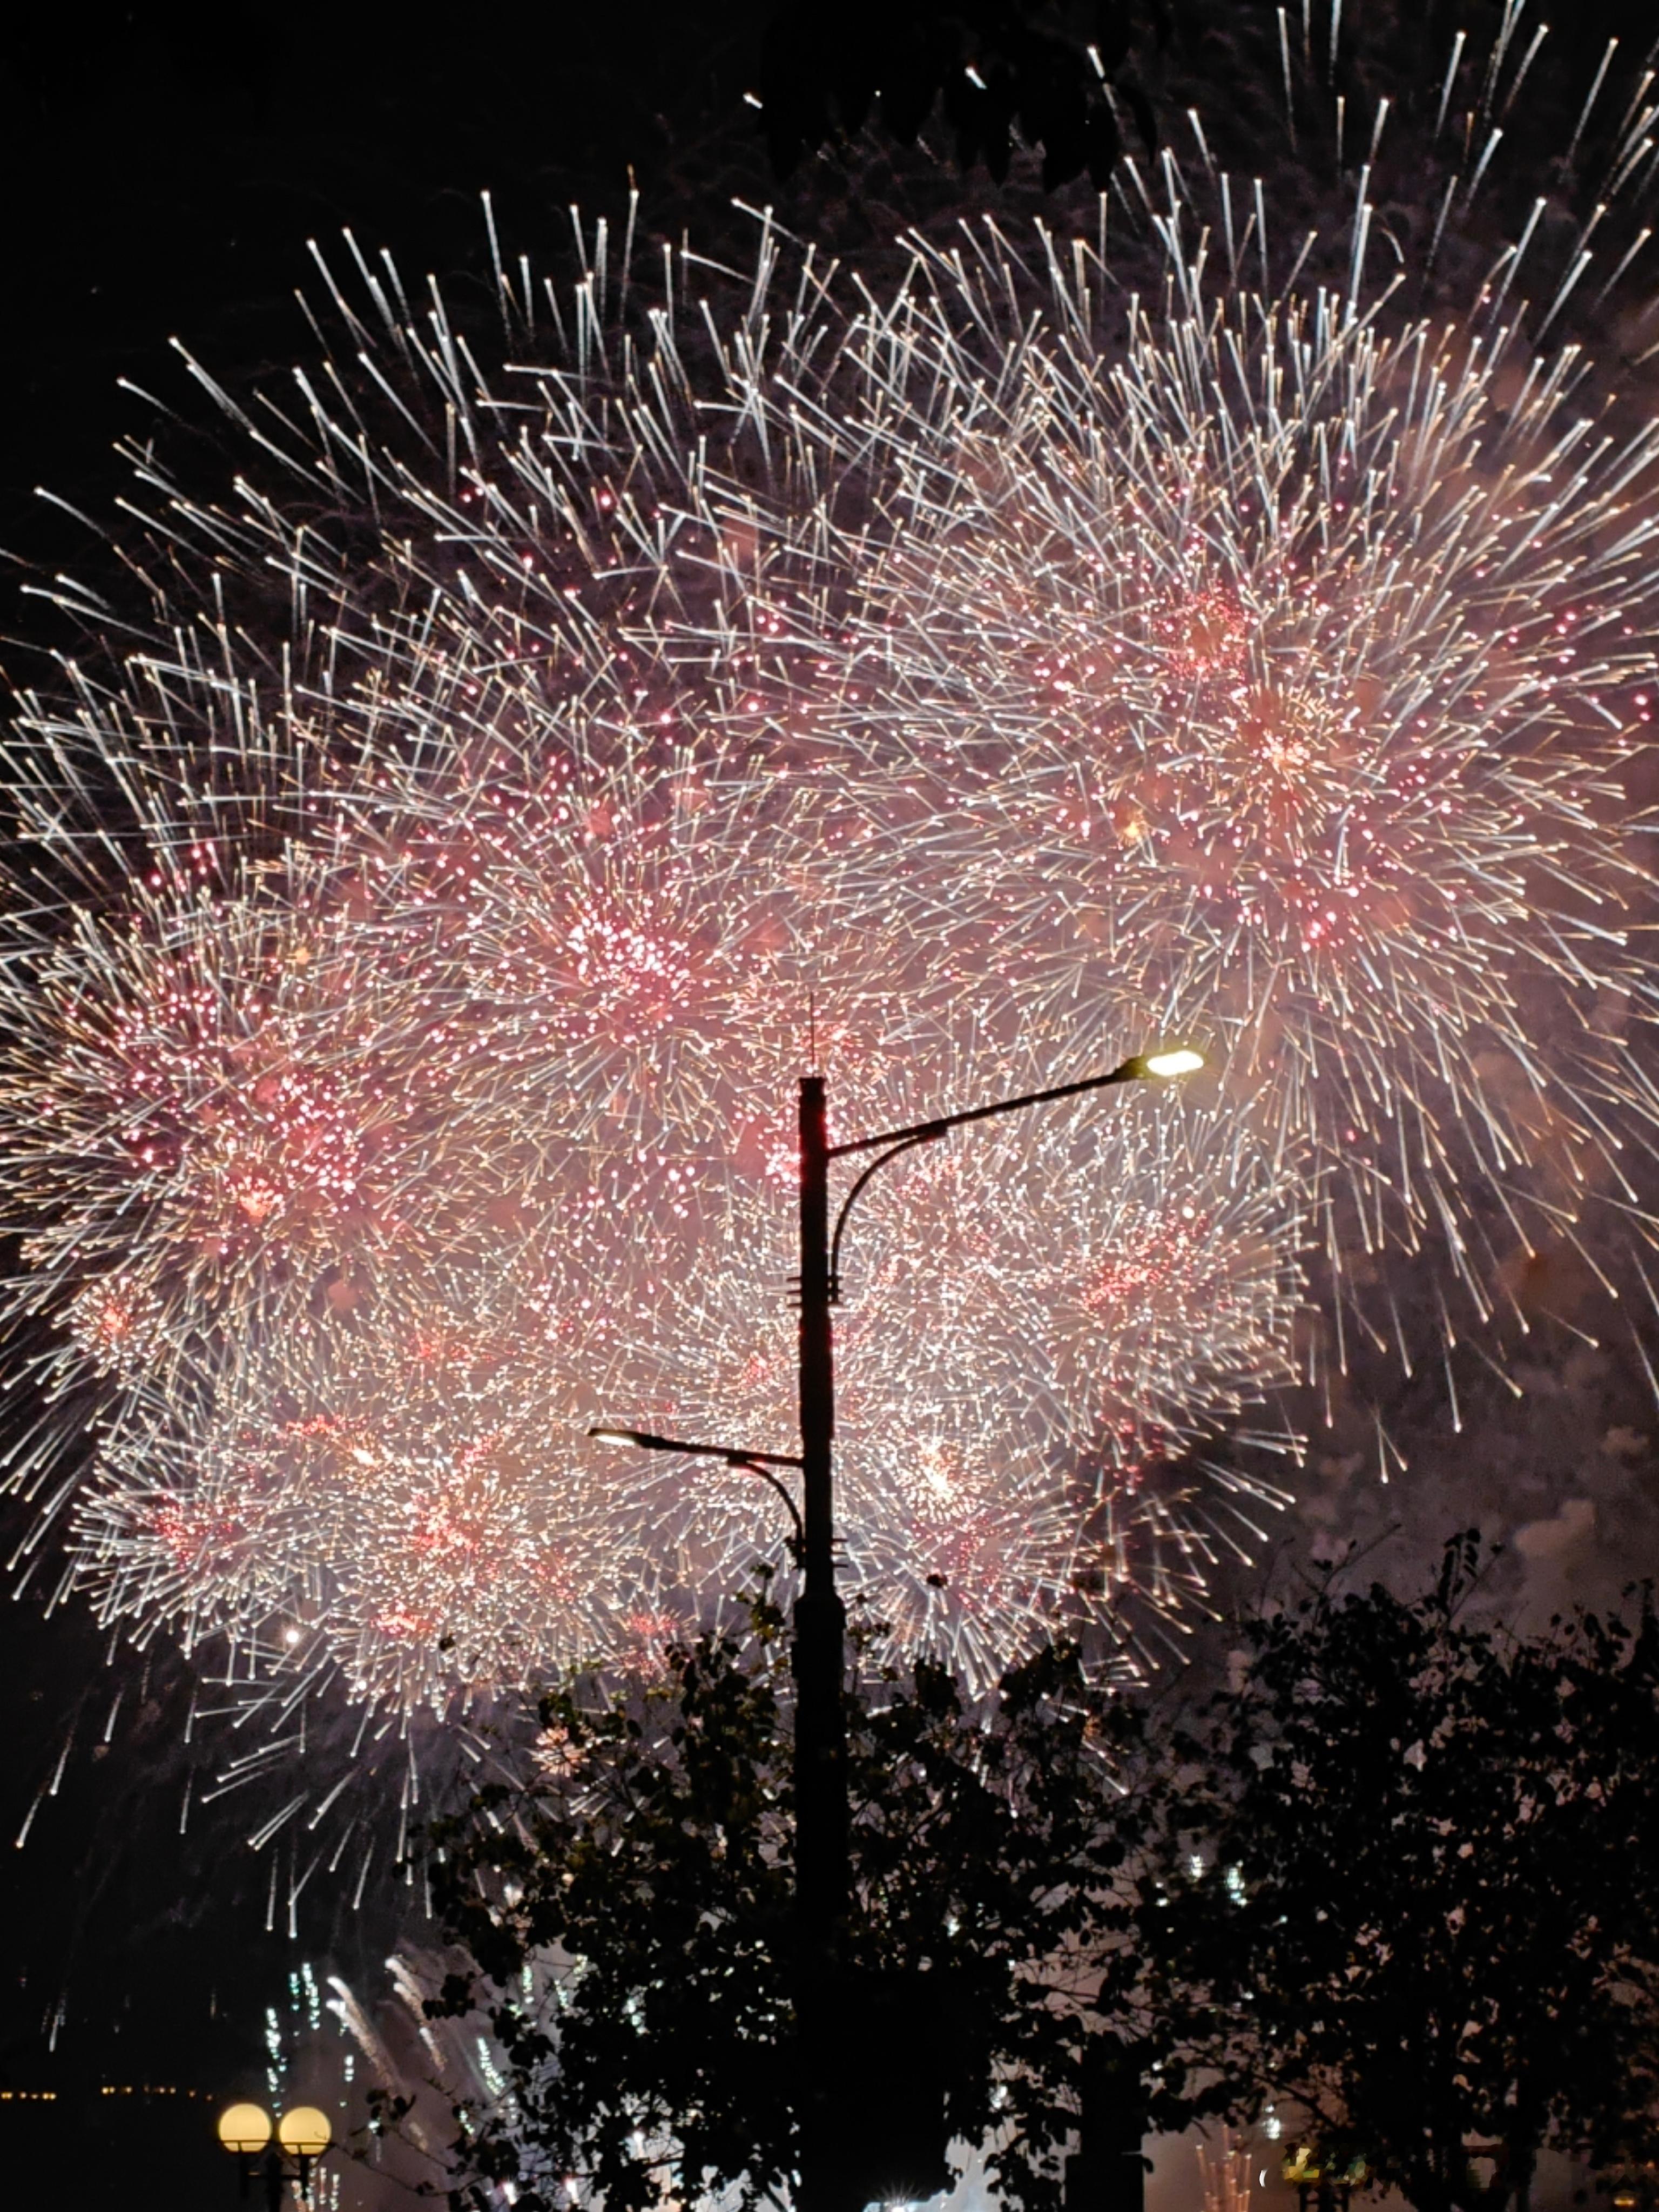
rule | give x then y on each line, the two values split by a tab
1296	614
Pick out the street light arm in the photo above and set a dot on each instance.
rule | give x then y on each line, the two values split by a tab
798	1541
922	1133
752	1462
734	1454
927	1133
891	1142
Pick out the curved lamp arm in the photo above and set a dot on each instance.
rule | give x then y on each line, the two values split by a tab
797	1540
928	1135
752	1462
1160	1066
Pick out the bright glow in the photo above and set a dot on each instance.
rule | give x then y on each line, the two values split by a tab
1181	1060
304	2132
245	2127
371	1143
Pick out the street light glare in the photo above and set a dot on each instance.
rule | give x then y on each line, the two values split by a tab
1181	1060
245	2127
303	2131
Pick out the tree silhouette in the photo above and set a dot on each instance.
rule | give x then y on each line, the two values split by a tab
629	1914
1402	1874
1426	1902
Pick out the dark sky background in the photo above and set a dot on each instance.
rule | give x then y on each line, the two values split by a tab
162	170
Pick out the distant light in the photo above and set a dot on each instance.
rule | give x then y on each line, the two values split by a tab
304	2132
245	2127
1181	1060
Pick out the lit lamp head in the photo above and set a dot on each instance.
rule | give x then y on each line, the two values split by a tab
644	1439
245	2127
1174	1059
304	2132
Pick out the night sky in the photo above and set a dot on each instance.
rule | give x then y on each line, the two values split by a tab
163	169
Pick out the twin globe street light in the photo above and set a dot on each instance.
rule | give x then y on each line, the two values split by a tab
832	2177
275	2155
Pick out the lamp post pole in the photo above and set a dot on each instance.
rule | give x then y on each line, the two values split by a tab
818	1659
822	1811
820	1618
831	2165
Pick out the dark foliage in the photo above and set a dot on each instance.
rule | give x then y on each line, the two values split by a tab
1402	1877
648	1872
1429	1911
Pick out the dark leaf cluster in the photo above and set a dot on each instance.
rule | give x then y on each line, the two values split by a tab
1411	1883
629	1913
1401	1879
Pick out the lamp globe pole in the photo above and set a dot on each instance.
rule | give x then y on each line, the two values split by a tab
275	2156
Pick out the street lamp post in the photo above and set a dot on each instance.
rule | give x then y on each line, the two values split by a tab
275	2156
831	2175
820	1618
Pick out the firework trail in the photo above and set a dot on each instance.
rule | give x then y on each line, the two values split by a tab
215	1118
407	1501
366	1141
401	1495
1269	660
384	1232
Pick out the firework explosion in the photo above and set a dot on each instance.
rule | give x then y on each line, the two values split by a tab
403	1500
413	946
367	1144
1020	1364
351	1179
1277	662
407	1500
232	1088
1294	670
